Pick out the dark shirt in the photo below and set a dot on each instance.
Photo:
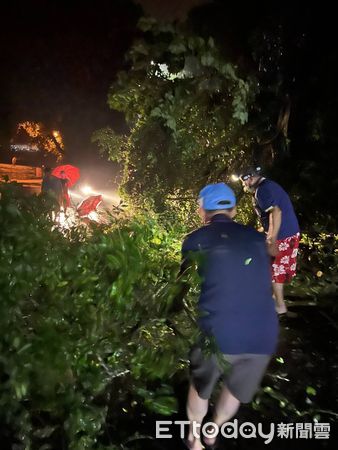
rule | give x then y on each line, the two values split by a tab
236	302
269	194
52	185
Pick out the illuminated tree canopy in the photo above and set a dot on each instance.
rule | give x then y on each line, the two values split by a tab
187	109
48	141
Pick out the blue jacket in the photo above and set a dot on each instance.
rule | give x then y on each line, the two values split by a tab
236	305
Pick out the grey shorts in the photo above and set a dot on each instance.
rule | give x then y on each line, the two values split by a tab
242	374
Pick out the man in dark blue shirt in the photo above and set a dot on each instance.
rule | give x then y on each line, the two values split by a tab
274	208
236	308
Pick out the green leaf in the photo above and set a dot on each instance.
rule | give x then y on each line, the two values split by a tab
146	23
45	432
311	390
162	405
141	48
211	42
177	48
207	59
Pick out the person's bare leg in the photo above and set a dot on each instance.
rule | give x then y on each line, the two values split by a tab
197	408
278	293
226	407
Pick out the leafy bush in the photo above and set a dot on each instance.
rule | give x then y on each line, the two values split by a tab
85	320
88	319
317	274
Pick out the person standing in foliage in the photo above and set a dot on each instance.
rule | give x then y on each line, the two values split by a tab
275	210
65	194
52	186
237	314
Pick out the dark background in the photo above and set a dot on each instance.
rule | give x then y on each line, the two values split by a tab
58	59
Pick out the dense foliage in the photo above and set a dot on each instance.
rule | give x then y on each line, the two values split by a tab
81	313
90	329
187	109
37	135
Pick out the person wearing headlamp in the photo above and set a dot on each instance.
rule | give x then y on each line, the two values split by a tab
276	213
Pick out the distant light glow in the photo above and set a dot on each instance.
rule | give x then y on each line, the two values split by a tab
234	177
86	190
24	148
74	194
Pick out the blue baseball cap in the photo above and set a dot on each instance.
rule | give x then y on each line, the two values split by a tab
217	196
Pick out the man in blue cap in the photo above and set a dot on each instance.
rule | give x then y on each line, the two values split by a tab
236	309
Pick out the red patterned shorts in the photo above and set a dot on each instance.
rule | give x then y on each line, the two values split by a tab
285	262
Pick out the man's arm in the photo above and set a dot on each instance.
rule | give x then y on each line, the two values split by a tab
268	202
275	220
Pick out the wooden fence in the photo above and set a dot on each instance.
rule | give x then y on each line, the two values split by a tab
28	176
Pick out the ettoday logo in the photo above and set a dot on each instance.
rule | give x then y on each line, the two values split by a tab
247	430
